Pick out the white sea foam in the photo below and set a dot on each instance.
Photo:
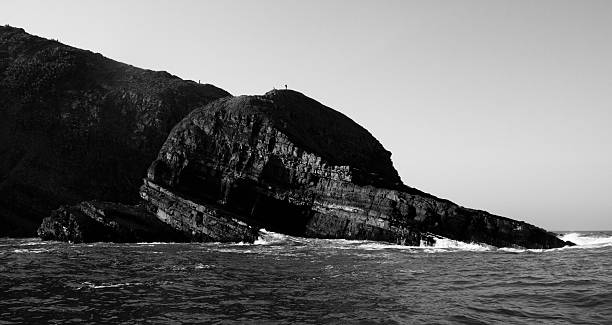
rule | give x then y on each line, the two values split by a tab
513	250
203	266
441	244
91	285
582	240
373	246
449	244
36	242
523	250
269	238
32	250
30	242
588	240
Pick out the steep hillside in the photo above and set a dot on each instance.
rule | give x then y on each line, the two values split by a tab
77	126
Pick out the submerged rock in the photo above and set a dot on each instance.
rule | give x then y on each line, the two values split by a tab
95	221
77	126
287	163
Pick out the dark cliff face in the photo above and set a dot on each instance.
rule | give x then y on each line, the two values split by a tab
76	126
306	125
284	162
94	221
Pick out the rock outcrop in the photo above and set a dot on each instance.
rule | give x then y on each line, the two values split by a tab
201	223
77	126
95	221
292	165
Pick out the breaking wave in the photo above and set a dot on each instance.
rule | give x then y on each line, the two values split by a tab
269	238
449	244
104	285
284	279
441	244
31	251
590	240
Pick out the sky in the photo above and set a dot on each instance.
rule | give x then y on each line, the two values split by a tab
504	106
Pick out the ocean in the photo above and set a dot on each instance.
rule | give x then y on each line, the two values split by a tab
288	280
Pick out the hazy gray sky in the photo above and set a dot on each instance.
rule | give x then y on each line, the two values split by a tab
504	106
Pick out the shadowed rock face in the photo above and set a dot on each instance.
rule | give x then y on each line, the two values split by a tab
95	221
200	223
76	126
287	163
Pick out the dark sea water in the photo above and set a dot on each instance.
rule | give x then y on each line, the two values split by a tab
287	280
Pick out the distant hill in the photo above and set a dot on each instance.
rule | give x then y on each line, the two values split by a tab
76	126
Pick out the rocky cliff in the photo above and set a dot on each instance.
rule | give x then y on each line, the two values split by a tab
94	221
77	126
287	163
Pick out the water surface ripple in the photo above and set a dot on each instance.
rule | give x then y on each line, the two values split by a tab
282	280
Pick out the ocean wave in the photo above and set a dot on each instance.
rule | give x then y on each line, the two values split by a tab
32	250
523	250
450	244
582	240
441	244
36	242
91	285
200	266
589	240
27	242
270	238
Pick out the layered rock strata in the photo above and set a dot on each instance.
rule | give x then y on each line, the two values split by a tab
292	165
203	223
95	221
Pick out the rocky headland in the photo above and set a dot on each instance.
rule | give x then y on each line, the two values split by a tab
77	126
78	131
285	162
